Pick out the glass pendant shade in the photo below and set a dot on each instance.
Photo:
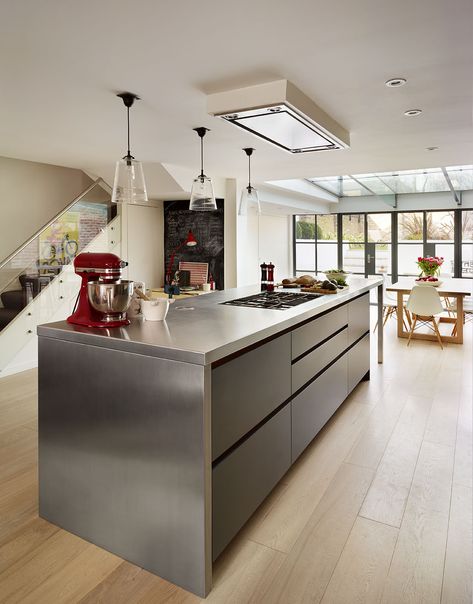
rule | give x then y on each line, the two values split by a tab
202	192
129	182
129	185
202	195
249	199
249	195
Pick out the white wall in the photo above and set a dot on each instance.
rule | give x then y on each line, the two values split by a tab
143	243
263	238
30	195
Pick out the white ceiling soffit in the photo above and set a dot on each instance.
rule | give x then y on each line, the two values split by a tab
281	114
285	202
305	187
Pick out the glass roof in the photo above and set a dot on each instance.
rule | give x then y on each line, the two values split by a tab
430	180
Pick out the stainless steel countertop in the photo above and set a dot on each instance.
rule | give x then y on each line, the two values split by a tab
200	330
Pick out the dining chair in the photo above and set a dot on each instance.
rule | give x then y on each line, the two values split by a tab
424	303
390	306
467	312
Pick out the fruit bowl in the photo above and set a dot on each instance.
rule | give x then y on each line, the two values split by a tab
432	281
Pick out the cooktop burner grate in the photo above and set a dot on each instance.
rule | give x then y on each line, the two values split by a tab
273	300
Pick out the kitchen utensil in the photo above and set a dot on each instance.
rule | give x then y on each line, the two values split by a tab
155	310
103	298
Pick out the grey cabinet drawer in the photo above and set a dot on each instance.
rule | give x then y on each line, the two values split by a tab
315	405
305	369
246	390
358	318
241	481
358	362
310	334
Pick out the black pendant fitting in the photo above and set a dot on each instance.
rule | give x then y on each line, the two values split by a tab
201	131
248	151
128	98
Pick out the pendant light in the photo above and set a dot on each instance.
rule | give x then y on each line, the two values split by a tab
249	195
202	192
129	184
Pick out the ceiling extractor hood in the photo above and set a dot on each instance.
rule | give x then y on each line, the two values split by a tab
281	114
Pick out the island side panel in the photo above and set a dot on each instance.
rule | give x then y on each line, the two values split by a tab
124	456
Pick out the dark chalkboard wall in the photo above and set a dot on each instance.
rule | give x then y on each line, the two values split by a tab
208	229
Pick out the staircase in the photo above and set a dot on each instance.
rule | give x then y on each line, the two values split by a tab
38	283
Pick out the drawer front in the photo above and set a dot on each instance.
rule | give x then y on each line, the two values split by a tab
241	481
305	369
247	389
309	335
358	362
315	405
358	318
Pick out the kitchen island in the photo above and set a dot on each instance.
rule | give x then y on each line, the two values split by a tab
157	441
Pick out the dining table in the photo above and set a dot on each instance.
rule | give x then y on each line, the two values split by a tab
449	289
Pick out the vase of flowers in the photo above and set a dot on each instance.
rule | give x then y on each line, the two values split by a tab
430	265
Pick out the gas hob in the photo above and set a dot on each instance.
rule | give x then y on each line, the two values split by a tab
273	300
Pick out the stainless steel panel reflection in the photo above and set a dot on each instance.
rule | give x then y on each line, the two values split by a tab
124	456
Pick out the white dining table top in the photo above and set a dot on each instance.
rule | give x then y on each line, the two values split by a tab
448	286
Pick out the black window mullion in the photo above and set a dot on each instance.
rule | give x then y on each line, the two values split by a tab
340	241
316	241
394	249
457	244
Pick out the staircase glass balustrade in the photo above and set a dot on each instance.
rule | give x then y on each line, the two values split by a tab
37	282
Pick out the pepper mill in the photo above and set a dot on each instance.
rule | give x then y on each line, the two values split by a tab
270	282
264	276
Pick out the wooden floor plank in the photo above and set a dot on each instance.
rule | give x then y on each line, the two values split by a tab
369	448
363	566
457	582
417	568
73	580
308	480
386	499
24	541
309	565
127	584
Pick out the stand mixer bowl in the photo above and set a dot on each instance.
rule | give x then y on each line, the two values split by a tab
110	298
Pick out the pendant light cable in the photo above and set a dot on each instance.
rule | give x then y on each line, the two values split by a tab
129	184
202	157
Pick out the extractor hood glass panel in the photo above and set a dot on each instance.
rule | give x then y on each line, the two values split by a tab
284	128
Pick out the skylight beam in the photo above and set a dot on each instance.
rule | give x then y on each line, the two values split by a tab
451	187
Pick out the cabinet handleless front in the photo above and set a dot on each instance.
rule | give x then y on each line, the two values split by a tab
247	389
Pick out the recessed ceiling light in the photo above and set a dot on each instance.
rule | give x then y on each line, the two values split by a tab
412	112
431	148
395	82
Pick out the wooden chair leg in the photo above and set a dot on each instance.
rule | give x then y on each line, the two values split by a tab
384	312
408	316
436	328
412	329
388	314
454	330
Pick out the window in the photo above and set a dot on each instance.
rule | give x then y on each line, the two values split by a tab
369	246
327	242
353	229
467	244
305	244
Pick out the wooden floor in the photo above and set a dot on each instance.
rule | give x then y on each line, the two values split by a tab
378	509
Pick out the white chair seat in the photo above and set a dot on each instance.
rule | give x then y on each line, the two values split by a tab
424	303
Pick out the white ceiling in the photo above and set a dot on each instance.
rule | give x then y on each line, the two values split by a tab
61	62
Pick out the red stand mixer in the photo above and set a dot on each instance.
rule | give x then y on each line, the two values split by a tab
103	297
